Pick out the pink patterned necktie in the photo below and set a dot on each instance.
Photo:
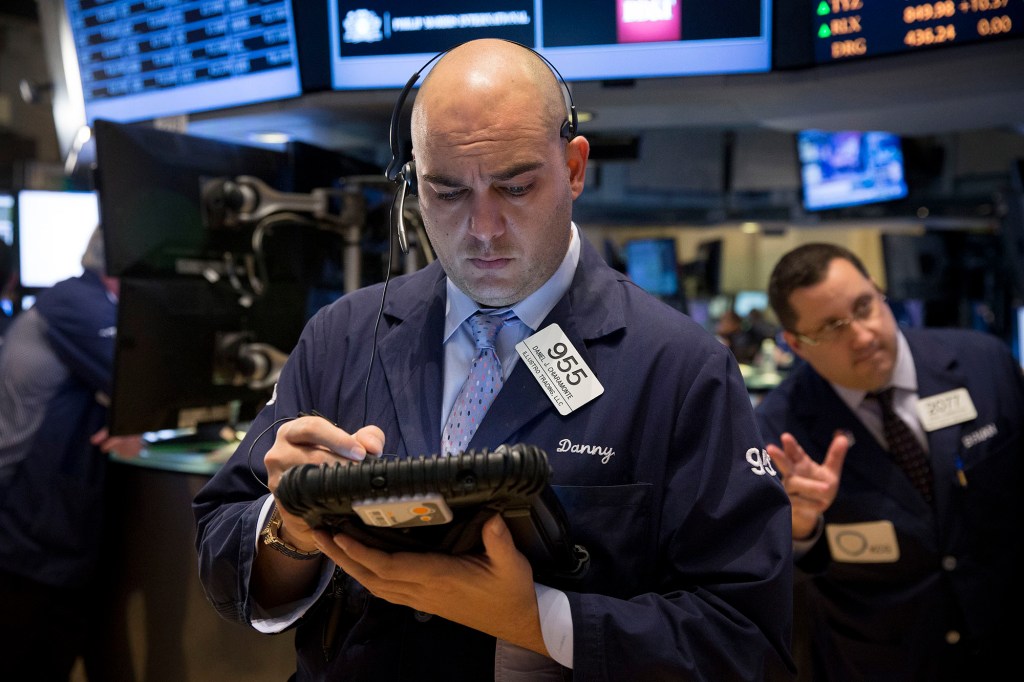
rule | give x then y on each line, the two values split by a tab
482	384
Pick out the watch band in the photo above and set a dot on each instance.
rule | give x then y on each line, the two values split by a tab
272	539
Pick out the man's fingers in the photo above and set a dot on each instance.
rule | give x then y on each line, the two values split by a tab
317	431
836	455
806	489
372	439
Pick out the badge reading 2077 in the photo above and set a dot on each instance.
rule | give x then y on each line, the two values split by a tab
558	368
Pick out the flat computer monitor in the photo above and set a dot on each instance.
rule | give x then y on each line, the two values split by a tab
745	301
53	229
150	183
209	302
186	353
652	264
839	169
704	272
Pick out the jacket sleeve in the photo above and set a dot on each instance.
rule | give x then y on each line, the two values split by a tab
81	323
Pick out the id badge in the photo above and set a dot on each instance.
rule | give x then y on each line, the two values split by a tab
559	369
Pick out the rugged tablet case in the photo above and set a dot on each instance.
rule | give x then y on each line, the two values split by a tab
511	480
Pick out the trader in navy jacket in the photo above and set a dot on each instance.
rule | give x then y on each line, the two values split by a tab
892	587
55	377
661	473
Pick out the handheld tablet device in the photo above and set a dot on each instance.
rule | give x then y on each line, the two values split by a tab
438	504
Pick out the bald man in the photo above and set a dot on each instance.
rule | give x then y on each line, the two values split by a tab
685	522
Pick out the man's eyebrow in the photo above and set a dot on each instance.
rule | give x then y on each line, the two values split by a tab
517	170
440	179
507	174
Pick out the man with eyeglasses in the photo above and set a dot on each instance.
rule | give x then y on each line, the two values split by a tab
902	573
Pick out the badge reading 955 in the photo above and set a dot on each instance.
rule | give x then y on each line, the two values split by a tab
559	369
404	511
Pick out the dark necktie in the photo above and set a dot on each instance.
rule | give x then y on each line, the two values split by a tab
482	385
904	446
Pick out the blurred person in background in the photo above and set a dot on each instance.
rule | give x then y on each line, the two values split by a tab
733	331
55	381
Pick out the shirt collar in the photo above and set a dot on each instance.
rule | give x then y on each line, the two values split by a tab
531	310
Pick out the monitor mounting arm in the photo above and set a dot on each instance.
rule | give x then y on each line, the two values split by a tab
233	202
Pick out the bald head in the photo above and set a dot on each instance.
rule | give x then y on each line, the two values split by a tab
496	179
488	83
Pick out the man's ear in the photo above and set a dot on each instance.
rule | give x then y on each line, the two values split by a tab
794	343
576	154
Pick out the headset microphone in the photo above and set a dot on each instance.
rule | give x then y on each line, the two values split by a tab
408	176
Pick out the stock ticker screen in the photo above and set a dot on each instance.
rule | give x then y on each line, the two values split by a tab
143	59
851	29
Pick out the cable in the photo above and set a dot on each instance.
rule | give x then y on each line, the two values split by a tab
380	311
253	445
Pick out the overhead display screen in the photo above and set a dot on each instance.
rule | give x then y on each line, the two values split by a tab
848	29
145	59
381	44
850	168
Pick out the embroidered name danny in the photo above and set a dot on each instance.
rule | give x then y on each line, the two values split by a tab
982	434
566	445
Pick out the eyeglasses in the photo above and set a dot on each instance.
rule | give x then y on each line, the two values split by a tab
865	308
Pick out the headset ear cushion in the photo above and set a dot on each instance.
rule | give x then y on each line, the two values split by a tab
409	176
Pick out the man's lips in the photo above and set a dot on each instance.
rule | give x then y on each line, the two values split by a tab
490	263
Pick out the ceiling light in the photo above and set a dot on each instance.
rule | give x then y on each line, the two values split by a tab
270	137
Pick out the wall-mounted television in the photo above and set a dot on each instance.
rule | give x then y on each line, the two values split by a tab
850	168
380	44
144	60
53	228
652	265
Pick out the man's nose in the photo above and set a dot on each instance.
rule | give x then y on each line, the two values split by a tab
486	221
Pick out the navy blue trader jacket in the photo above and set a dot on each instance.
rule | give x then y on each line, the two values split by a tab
948	607
662	477
51	508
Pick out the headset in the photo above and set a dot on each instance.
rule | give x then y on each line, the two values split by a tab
404	171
